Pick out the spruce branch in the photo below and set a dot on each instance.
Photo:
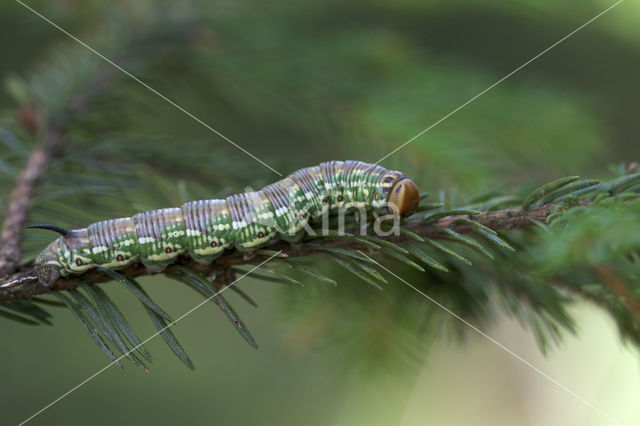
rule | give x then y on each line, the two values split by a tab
52	128
93	80
434	225
16	215
24	284
429	241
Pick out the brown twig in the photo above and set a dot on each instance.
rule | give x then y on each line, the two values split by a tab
24	189
25	284
16	215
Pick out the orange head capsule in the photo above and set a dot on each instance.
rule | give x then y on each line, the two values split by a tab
404	197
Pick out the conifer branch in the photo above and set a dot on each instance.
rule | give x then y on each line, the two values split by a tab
24	189
536	282
25	285
16	215
51	129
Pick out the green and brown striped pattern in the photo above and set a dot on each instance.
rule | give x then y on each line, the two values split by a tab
205	229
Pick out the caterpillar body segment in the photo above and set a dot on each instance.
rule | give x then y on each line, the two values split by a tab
205	229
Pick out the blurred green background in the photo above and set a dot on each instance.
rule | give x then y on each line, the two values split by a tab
300	83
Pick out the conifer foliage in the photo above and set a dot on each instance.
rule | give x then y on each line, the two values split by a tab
75	149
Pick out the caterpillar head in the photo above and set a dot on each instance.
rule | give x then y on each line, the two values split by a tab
405	196
399	194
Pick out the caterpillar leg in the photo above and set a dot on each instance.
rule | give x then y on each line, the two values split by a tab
248	255
155	266
293	239
205	259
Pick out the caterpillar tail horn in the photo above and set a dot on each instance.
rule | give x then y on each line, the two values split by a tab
54	228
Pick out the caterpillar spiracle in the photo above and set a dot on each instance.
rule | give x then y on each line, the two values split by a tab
205	229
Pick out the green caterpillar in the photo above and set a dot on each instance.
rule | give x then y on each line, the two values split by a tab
205	229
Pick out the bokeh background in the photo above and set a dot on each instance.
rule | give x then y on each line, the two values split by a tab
296	84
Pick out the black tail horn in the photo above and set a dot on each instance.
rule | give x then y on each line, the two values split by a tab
54	228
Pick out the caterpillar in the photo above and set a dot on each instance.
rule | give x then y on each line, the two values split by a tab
205	229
